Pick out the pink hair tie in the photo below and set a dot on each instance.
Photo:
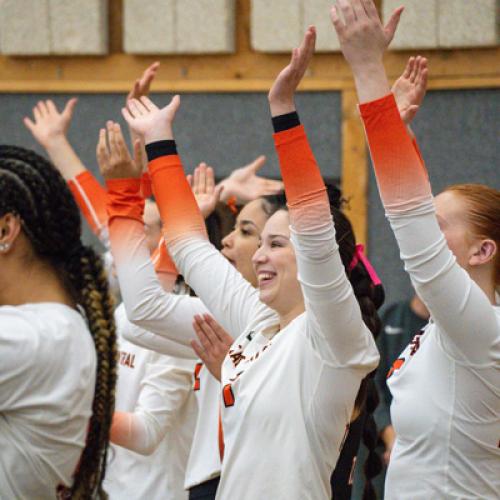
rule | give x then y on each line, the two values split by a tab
360	256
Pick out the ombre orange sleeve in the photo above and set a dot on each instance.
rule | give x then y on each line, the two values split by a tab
179	211
334	325
91	198
305	190
401	175
146	189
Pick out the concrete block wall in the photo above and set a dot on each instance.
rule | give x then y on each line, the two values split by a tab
276	26
79	26
148	27
24	27
435	24
466	23
46	27
179	26
418	28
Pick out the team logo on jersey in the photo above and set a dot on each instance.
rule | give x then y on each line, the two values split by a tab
414	347
197	381
127	359
395	366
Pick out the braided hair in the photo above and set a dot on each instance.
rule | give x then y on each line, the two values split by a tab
370	297
35	191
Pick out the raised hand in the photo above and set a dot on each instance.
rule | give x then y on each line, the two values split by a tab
49	124
142	85
205	191
113	156
363	39
149	121
214	343
409	89
281	95
246	185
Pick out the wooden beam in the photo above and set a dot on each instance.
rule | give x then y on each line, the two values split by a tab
354	175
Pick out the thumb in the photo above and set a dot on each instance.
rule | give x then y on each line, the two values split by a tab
217	192
409	113
174	104
257	164
70	107
392	24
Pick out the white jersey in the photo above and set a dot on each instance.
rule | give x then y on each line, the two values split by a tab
446	384
47	381
164	324
156	391
286	401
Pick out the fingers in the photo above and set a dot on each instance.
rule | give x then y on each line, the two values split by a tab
257	164
138	154
222	336
189	179
414	69
112	141
174	105
200	352
204	333
409	68
336	21
202	178
51	107
209	180
347	11
218	192
370	9
196	179
392	24
147	78
30	125
102	151
69	108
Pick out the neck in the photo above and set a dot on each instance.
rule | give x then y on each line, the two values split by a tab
289	316
31	283
484	279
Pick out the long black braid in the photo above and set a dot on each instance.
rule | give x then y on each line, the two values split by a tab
35	191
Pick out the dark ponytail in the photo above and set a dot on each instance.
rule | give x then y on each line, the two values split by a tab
33	189
370	297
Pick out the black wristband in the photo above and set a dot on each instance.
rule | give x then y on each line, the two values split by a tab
161	148
284	122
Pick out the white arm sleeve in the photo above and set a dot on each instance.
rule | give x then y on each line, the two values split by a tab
233	302
334	322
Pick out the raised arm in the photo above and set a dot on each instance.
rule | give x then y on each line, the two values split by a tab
227	295
334	321
463	312
141	88
49	127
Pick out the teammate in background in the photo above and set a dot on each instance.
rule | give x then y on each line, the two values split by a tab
401	322
319	337
57	339
446	383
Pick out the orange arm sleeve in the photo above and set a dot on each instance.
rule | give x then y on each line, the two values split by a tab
91	198
401	175
146	190
179	211
304	187
125	203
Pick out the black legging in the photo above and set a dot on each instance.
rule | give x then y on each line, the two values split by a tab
340	478
204	491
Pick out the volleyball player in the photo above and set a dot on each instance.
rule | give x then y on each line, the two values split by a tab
445	385
283	425
57	339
